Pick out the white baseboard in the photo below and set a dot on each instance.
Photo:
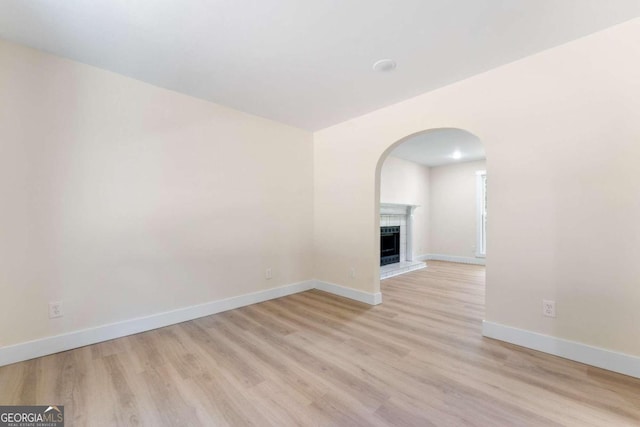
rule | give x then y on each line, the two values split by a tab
451	258
68	341
362	296
54	344
583	353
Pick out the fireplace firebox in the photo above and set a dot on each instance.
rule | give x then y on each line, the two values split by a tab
389	245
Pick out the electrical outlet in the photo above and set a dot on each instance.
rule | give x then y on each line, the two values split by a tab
268	274
55	309
549	308
352	272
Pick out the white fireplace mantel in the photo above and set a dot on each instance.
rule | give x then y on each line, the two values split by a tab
397	209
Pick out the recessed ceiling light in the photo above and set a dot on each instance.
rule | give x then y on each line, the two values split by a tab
384	65
457	154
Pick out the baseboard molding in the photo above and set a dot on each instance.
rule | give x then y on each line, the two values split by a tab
451	258
583	353
68	341
71	340
362	296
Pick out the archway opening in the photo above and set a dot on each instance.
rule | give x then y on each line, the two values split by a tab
431	193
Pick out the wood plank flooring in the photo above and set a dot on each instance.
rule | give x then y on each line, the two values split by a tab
316	359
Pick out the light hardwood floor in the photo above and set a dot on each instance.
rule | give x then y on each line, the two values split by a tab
315	359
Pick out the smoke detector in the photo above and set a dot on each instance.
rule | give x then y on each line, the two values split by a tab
384	65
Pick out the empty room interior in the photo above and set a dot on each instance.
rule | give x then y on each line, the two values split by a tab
412	213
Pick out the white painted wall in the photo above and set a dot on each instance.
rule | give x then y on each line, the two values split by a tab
452	205
562	139
125	200
406	182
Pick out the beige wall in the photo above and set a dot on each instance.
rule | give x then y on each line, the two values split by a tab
407	183
562	139
453	210
125	200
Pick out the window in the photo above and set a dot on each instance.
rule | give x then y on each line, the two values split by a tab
481	215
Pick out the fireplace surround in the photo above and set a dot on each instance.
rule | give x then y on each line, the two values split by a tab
396	243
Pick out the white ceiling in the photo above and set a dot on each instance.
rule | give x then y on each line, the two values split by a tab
305	63
436	147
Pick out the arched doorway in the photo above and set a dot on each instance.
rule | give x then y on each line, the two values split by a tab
431	201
